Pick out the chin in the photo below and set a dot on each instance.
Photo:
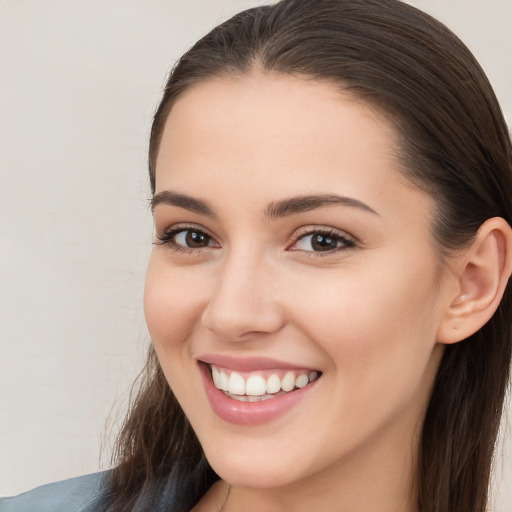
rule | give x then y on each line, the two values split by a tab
249	475
255	466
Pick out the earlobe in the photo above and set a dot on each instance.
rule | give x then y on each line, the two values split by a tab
484	270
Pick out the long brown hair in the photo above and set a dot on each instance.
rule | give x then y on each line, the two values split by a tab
454	144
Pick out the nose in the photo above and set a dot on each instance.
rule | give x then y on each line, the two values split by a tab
244	301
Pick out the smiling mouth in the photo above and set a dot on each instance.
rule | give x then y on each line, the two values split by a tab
260	385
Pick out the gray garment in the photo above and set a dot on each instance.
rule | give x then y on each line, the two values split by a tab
89	493
81	494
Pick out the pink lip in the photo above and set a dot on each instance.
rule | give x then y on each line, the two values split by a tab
250	413
249	364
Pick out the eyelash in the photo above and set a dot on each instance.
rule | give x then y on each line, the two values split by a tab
331	233
166	238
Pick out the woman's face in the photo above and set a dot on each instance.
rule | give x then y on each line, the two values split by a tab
295	262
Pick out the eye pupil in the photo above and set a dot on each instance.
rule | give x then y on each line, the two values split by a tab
194	239
324	243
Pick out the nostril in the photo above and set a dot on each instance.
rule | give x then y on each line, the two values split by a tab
242	304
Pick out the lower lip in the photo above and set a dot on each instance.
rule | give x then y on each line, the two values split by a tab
250	413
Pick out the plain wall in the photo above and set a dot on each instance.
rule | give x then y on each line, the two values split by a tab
79	81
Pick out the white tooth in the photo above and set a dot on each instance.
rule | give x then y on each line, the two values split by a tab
240	398
266	397
253	398
313	376
236	384
255	386
288	381
273	384
302	380
215	376
223	381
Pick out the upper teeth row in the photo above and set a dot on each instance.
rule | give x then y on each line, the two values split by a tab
256	385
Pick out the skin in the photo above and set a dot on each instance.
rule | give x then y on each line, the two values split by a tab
367	316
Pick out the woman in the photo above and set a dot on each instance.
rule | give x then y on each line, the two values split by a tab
328	291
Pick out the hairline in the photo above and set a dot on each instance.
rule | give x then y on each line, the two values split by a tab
398	153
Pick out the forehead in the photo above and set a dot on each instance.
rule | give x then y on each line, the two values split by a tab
260	99
295	135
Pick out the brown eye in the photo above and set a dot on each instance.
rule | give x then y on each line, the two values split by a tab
186	239
322	242
194	239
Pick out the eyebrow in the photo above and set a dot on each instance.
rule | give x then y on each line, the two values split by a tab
276	209
182	201
312	202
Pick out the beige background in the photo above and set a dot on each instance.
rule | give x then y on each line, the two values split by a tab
79	81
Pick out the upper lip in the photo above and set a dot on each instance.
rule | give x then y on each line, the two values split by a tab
248	364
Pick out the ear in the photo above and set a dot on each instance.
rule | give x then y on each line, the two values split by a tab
482	273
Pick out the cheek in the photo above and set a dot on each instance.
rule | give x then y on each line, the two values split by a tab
172	314
171	310
381	352
376	327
